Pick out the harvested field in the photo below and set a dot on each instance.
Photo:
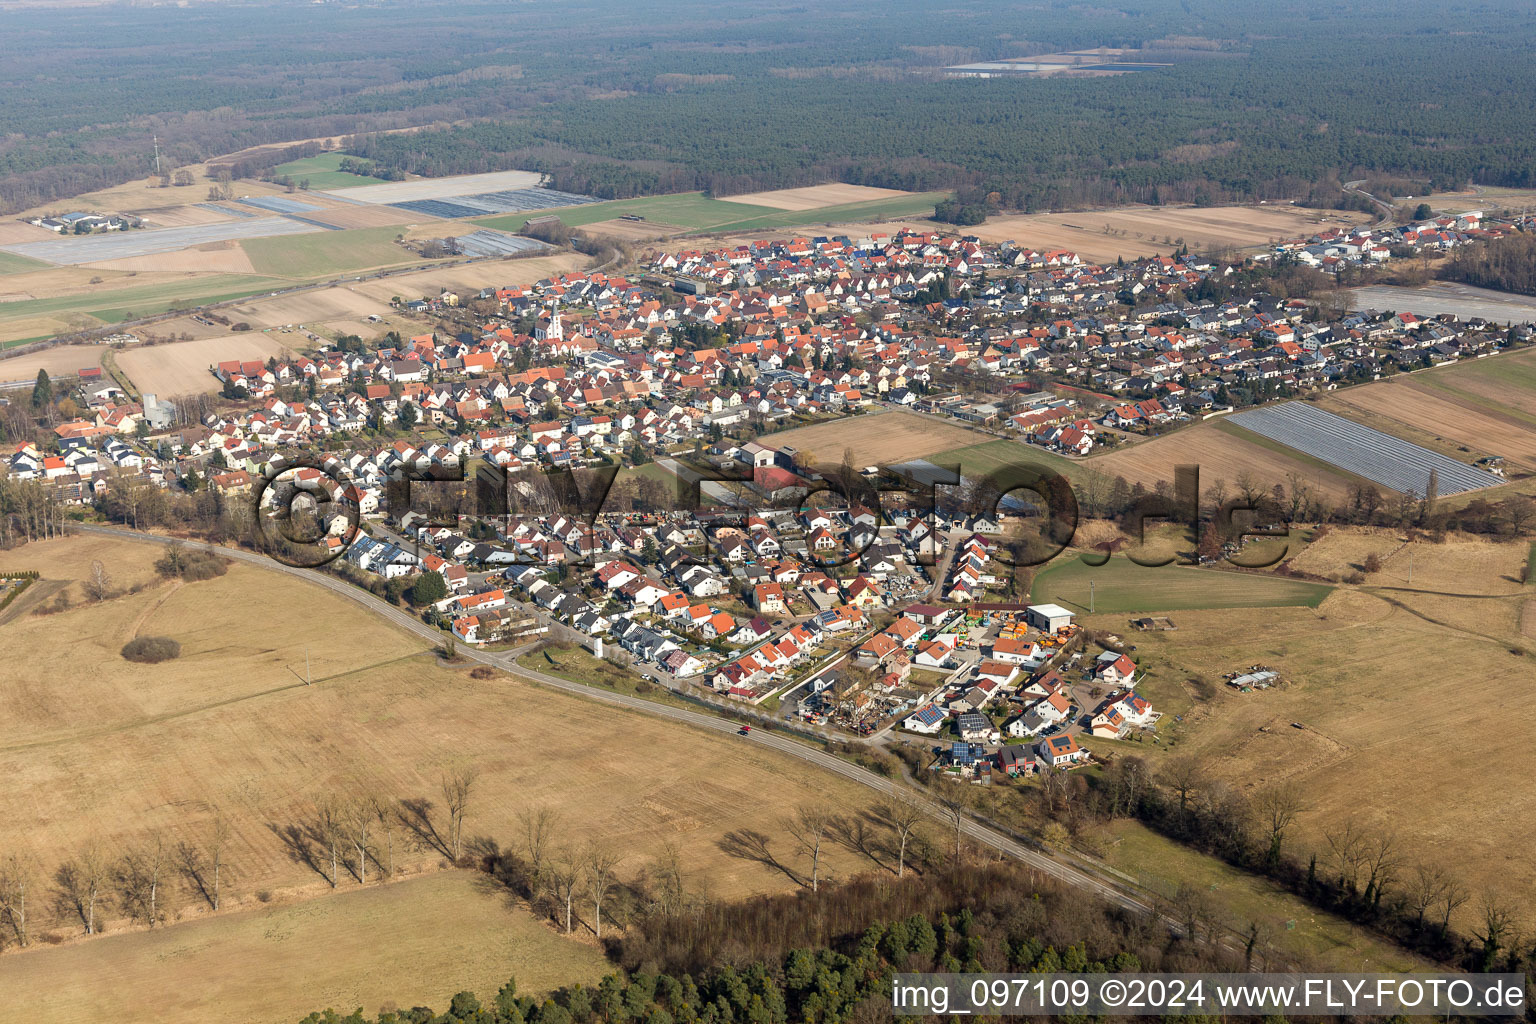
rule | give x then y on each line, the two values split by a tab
117	749
632	230
815	197
312	307
1461	427
24	330
1122	586
260	966
213	257
145	194
1464	564
1135	231
354	301
727	219
181	368
39	280
182	216
1361	668
1223	451
346	217
440	188
472	277
65	298
57	359
19	231
1504	385
876	438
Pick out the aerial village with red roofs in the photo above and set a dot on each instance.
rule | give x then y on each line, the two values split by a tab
840	617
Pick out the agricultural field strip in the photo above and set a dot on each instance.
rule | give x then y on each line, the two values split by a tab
438	188
230	210
322	225
120	245
1387	460
277	204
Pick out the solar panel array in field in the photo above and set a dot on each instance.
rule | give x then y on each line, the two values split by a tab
1379	457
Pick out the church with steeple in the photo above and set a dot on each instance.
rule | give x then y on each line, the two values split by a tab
549	328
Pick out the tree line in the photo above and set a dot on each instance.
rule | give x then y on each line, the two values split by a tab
1507	264
828	957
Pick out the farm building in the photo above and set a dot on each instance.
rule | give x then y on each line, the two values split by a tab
1048	617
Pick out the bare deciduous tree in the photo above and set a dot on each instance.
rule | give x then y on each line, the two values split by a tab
1496	924
539	825
598	866
956	800
360	816
1347	844
1183	777
17	876
100	583
559	881
1426	889
138	878
809	826
328	832
1379	854
1277	809
1452	898
81	882
457	783
1192	909
903	813
667	873
385	819
204	866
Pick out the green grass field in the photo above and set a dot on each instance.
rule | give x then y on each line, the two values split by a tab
918	204
326	252
322	172
129	303
649	471
10	263
981	460
1122	586
698	212
1463	380
117	304
1161	865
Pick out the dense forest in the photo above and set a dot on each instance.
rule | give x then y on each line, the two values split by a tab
1262	100
827	957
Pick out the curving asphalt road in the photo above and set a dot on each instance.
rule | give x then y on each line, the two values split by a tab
1078	877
